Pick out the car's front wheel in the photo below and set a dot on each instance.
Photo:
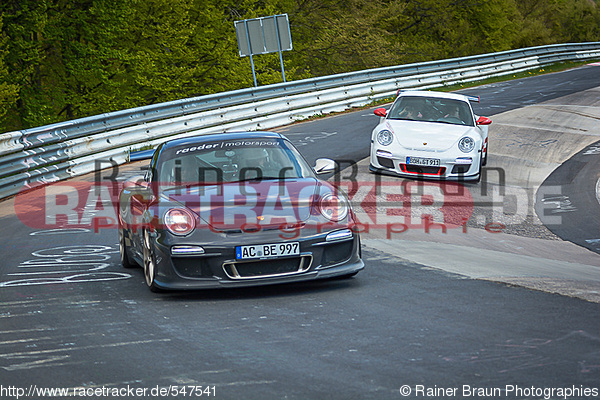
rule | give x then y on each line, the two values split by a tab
485	157
149	263
123	251
478	179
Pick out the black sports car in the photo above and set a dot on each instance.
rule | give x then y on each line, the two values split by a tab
235	209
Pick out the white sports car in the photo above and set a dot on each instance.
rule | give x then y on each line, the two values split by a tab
430	135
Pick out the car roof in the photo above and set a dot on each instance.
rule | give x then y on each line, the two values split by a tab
427	93
221	136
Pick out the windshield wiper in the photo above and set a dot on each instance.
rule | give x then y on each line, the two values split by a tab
266	178
405	119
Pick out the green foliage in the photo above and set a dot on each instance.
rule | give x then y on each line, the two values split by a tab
578	20
9	92
66	59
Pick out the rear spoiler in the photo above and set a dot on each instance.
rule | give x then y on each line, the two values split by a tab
141	155
470	98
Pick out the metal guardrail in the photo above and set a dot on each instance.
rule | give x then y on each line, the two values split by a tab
59	151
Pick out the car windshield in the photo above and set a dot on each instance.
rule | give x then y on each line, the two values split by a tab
432	109
238	160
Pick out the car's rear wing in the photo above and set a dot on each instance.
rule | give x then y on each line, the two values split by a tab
141	155
470	98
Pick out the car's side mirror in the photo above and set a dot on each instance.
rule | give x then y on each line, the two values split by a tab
381	112
140	188
484	121
324	165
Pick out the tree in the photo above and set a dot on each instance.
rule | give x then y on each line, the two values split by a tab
65	59
9	92
333	36
578	20
23	24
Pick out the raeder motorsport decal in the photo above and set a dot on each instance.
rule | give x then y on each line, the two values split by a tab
228	145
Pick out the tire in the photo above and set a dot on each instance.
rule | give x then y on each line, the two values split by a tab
478	179
123	252
149	263
485	159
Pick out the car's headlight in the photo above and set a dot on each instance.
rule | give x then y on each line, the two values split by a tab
334	208
466	144
179	221
385	137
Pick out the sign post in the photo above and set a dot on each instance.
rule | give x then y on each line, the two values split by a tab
262	36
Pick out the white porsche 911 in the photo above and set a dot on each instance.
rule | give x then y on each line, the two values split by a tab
431	135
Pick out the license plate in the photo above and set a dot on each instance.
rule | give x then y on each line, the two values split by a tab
429	162
267	250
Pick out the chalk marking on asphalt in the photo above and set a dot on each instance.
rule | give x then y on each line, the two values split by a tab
99	346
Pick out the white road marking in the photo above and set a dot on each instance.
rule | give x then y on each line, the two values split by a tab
96	346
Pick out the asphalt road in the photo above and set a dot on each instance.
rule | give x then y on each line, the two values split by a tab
579	202
395	324
71	317
347	137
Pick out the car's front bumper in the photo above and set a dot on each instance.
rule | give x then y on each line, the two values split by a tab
218	267
451	167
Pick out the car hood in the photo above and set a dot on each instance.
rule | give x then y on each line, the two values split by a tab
428	136
248	205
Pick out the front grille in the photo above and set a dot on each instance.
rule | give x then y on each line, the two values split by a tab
192	267
461	168
267	268
422	170
385	162
337	253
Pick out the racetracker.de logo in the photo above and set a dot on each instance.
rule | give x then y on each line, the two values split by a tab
393	206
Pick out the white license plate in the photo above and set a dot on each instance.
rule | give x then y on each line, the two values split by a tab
429	162
267	250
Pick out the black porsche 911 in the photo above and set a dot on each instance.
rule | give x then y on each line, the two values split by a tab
235	209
